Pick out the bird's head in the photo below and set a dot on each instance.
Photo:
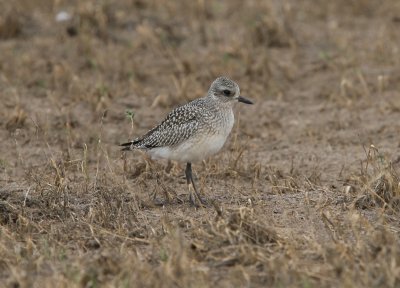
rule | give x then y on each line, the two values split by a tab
227	91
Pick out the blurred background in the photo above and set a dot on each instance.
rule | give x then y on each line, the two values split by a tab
64	63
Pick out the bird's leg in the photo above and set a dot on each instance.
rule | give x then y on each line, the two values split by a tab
188	173
189	179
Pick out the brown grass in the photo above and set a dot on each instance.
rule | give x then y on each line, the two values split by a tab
305	194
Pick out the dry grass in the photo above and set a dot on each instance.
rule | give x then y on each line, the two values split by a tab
297	200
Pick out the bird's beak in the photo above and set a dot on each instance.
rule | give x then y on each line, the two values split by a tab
244	100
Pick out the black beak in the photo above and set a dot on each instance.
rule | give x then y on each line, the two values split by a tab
244	100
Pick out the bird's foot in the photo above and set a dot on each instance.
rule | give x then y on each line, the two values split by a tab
196	200
159	202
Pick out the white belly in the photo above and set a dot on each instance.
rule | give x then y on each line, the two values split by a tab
191	151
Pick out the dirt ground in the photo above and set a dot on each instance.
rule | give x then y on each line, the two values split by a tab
306	192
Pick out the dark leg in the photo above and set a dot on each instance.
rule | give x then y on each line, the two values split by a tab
189	180
188	173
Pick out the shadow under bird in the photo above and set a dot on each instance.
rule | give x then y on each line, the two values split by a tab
194	131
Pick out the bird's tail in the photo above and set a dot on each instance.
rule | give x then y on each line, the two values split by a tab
127	146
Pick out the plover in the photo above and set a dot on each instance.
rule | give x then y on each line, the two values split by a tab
194	131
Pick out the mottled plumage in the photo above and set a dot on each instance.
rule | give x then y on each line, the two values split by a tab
195	130
177	127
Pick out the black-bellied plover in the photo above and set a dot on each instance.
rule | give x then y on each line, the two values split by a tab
194	131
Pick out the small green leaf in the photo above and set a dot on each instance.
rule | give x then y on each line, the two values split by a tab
130	114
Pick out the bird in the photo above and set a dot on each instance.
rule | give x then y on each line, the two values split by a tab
194	131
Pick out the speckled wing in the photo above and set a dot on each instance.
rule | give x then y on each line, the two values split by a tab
178	126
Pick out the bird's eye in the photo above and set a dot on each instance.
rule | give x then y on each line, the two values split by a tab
226	92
